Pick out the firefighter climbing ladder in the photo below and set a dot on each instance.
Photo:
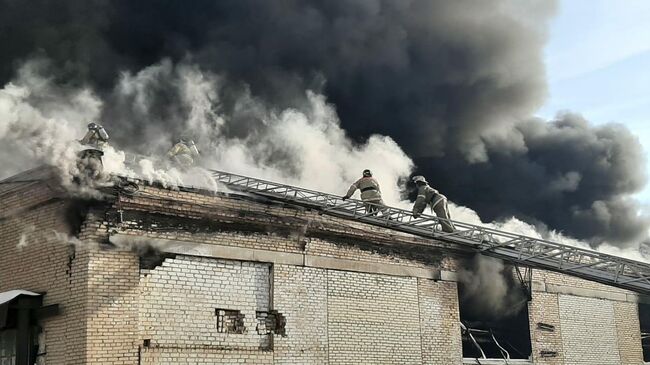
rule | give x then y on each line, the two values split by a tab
514	248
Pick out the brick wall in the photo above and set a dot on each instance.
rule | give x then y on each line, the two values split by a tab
372	319
626	317
110	306
439	322
588	331
112	314
545	308
31	215
177	309
300	294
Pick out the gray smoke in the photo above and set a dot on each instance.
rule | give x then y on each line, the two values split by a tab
454	83
489	288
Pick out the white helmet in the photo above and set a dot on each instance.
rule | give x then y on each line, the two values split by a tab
419	178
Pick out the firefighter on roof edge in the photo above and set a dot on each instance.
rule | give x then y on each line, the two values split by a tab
90	163
428	195
183	152
96	137
370	192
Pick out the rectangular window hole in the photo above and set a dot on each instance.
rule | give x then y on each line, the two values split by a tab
269	322
546	353
230	321
493	331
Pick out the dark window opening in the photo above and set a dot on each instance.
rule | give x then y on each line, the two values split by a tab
229	321
495	333
8	346
20	332
269	322
644	323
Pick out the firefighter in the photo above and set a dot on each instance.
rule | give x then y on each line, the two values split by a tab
183	152
96	137
438	202
370	192
90	163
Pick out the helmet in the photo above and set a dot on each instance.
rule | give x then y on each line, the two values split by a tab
185	138
367	173
92	125
419	179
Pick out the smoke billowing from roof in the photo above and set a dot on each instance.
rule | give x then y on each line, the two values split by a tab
453	83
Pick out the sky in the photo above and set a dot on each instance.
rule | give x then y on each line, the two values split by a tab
598	64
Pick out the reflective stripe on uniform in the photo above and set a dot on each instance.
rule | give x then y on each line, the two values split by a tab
436	202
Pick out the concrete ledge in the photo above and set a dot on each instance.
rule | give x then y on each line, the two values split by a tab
584	292
216	251
370	267
277	257
448	275
472	361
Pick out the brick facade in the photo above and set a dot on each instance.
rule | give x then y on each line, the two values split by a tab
350	293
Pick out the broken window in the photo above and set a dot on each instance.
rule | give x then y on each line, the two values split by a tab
270	322
644	323
229	321
493	311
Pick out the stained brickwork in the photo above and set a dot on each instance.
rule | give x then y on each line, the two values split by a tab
588	331
439	322
112	307
553	278
178	301
206	356
300	294
627	333
543	312
33	257
372	319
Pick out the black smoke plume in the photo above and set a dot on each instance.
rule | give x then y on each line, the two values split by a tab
453	82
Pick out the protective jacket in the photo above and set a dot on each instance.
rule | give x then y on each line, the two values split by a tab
96	138
183	153
369	187
427	195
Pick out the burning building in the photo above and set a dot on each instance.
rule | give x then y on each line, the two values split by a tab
159	275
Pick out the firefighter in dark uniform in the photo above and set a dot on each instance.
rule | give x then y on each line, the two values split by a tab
438	202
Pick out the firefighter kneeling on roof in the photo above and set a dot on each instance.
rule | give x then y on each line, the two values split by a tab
370	192
438	202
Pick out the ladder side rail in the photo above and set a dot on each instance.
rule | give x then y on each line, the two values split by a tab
428	226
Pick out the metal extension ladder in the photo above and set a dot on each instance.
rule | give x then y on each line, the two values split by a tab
514	248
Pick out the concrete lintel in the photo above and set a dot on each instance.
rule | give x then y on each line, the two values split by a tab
370	267
217	251
589	293
538	286
286	258
446	275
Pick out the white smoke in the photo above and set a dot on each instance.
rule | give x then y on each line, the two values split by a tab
40	122
315	151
